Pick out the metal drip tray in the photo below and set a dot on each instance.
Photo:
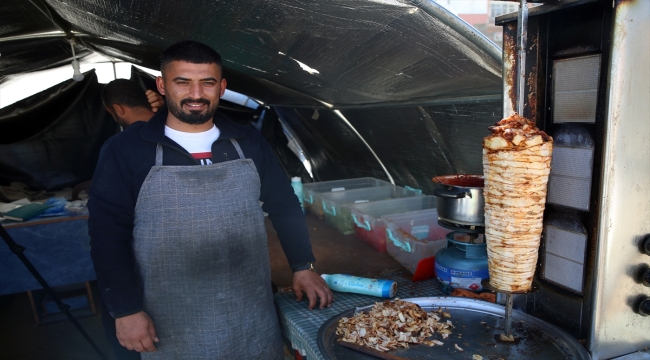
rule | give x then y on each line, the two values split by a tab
536	339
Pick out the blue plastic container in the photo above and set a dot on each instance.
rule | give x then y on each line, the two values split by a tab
462	264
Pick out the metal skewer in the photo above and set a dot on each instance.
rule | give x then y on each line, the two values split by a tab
508	319
522	35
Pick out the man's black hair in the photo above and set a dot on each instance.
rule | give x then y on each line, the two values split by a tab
124	92
190	51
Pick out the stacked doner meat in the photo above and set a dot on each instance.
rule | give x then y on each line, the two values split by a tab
516	166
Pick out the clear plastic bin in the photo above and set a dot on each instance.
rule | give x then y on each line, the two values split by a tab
311	191
371	229
336	205
413	236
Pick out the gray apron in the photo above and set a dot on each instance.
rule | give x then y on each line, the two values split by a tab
201	248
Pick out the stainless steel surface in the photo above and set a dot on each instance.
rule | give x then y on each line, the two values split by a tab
617	328
463	205
478	323
641	355
522	36
508	317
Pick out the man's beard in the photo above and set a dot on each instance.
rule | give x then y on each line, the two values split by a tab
193	117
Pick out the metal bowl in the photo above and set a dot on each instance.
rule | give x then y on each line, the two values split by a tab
460	199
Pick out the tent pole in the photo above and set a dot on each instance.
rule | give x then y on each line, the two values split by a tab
18	250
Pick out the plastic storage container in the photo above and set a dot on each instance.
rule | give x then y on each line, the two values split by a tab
311	192
336	205
371	229
414	236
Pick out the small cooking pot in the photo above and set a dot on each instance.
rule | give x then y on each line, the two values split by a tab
460	199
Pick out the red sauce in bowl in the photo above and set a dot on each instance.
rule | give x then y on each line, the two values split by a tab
460	180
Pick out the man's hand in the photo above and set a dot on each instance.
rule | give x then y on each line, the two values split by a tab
155	100
136	332
314	286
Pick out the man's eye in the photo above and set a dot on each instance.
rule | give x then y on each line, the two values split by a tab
182	82
209	83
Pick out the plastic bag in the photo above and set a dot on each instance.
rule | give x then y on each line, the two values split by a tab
77	207
57	207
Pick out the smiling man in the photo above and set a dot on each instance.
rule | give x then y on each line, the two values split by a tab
177	233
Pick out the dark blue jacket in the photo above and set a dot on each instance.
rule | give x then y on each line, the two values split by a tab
123	166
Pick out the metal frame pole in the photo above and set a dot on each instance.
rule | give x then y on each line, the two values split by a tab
18	250
522	36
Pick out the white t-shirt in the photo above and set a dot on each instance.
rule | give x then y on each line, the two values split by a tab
197	144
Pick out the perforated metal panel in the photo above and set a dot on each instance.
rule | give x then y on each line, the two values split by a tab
575	89
570	181
564	272
564	257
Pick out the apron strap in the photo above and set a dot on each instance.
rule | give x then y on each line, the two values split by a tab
241	153
159	151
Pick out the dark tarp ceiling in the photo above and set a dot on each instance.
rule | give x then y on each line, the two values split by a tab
52	139
415	87
413	143
365	51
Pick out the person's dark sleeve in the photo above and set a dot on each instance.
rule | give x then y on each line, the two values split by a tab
284	209
110	226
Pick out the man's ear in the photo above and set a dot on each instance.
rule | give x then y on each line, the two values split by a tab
119	110
223	87
160	84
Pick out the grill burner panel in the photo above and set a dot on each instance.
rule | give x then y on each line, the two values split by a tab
459	227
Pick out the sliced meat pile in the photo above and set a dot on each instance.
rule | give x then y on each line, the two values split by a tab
389	325
516	166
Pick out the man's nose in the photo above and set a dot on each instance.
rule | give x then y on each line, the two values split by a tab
196	92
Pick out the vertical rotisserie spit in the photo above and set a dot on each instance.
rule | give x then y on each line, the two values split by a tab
516	166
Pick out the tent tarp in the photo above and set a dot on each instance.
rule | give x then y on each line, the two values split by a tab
52	140
414	143
287	52
393	89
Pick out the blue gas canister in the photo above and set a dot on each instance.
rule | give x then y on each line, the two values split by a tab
463	263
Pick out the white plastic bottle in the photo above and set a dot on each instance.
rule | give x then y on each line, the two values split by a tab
360	285
296	183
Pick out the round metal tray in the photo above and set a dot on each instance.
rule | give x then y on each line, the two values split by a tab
477	327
